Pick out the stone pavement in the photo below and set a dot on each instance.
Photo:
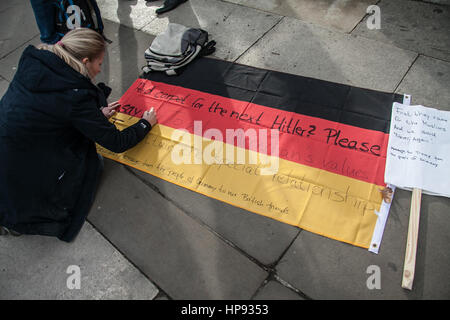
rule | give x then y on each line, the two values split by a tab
149	239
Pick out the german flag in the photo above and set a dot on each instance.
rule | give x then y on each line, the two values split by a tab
303	151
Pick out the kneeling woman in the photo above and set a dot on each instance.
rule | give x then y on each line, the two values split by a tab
50	119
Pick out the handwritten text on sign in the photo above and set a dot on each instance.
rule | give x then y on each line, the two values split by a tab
419	149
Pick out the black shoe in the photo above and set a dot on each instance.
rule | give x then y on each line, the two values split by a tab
169	5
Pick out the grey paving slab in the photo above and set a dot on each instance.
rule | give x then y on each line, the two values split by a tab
342	15
178	254
17	24
326	269
38	267
131	13
413	25
305	49
233	28
260	237
273	290
428	81
124	57
3	87
9	63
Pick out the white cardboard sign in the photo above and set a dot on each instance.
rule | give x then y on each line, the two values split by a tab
418	154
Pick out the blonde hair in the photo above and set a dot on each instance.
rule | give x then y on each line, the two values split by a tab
76	45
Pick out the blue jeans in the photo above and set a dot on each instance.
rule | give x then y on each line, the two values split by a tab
44	12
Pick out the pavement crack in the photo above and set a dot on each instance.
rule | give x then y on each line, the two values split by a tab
291	287
276	262
18	46
406	73
257	40
161	292
362	19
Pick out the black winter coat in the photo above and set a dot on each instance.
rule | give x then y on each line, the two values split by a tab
50	119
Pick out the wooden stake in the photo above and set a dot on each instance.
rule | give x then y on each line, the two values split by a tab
411	243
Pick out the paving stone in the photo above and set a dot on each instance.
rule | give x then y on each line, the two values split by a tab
417	26
9	63
326	269
428	81
16	15
182	257
131	13
302	48
37	267
233	29
273	290
342	15
260	237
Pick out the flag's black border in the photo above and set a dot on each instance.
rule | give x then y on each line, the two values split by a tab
364	108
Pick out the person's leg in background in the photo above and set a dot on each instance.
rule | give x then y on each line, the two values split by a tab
44	13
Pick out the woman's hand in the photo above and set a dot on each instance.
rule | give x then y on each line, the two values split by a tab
150	116
110	110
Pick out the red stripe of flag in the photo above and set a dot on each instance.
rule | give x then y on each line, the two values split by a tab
343	149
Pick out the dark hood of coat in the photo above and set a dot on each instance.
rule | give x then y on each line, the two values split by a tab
48	169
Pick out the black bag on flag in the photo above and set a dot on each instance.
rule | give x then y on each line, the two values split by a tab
71	14
176	47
